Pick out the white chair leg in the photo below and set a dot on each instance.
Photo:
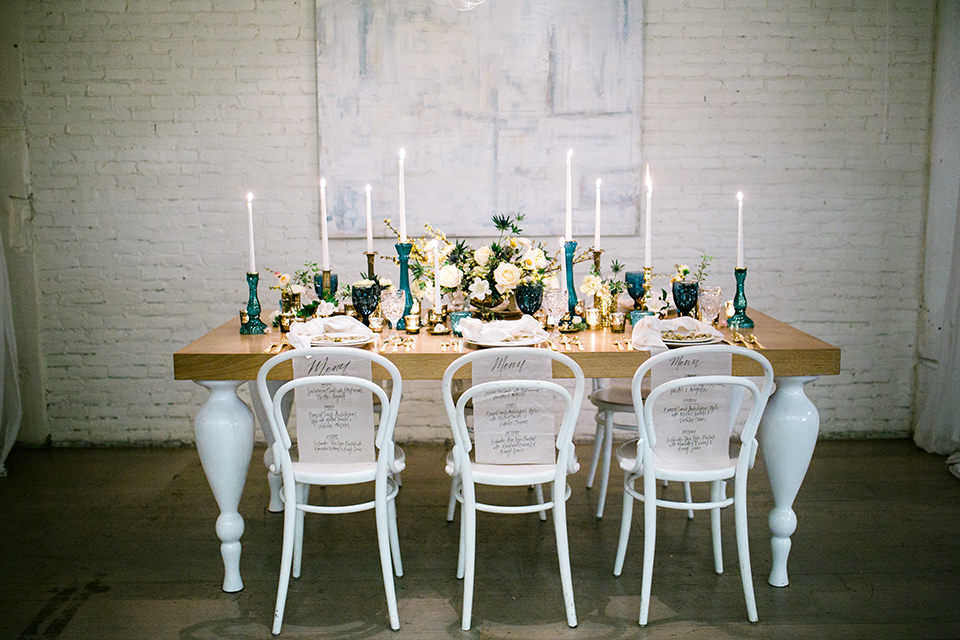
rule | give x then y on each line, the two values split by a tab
563	552
286	558
597	442
688	496
625	521
303	497
607	454
649	545
452	502
383	542
394	538
716	495
460	550
743	549
538	490
468	515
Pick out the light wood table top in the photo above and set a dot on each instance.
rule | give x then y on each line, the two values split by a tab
224	354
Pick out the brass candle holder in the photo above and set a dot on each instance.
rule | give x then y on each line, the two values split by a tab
370	256
647	286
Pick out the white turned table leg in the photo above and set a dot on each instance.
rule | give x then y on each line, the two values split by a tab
224	431
274	480
788	435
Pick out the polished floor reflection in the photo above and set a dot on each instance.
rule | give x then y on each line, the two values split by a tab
120	543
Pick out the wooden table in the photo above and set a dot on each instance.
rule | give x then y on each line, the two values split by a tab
223	359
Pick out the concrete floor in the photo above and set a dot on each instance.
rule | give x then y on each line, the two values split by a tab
120	543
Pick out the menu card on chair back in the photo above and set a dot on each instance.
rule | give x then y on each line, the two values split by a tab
692	423
334	422
515	426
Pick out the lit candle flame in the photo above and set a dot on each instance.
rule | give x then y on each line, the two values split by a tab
249	196
368	188
403	154
598	183
323	183
649	182
569	154
740	197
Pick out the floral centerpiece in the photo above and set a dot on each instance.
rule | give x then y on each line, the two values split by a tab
485	277
605	292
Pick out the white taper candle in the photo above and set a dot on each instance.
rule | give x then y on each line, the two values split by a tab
369	221
252	267
403	199
324	238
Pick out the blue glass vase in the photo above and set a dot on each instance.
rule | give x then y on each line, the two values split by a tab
739	319
634	280
685	295
529	297
403	254
253	324
569	249
365	301
318	285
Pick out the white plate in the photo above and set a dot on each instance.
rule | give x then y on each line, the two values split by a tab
690	343
340	340
524	342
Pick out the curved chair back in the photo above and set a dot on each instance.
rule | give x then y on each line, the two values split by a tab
390	403
456	409
647	421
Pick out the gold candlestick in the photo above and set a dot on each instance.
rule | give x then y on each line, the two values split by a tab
326	281
370	256
647	286
596	259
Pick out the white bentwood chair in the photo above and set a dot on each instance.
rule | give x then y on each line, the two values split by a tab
299	476
657	462
467	473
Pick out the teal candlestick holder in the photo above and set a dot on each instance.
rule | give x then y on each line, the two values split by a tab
253	324
569	248
403	253
739	319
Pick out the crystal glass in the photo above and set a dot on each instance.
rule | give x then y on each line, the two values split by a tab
634	280
555	303
685	296
710	300
529	296
365	301
392	302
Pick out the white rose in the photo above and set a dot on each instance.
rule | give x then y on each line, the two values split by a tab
325	308
507	277
482	254
592	285
449	276
385	283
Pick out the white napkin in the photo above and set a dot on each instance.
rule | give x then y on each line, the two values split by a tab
301	332
501	330
647	334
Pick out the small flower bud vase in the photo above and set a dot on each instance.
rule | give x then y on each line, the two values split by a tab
253	325
739	319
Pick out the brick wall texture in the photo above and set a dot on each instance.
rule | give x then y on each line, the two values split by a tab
148	122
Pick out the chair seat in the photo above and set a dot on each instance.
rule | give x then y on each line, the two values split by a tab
699	471
339	474
514	475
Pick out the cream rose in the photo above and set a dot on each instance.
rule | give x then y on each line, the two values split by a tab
534	259
507	277
482	255
449	276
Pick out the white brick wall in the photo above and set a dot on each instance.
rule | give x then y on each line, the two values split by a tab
148	122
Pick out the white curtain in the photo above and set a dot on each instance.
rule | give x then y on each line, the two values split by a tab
10	408
938	429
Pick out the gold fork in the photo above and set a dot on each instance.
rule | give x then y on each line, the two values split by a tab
738	337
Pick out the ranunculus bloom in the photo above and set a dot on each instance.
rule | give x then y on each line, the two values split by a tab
592	285
482	254
534	259
449	276
479	289
284	279
507	277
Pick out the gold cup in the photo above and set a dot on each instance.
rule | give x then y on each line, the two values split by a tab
592	316
376	324
413	323
286	319
618	322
